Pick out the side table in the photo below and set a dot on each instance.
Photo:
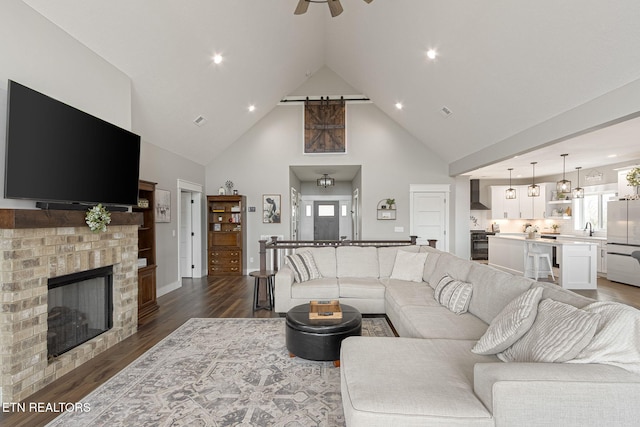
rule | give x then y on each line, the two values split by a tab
260	276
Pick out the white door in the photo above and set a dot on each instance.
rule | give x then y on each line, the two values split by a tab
186	235
430	218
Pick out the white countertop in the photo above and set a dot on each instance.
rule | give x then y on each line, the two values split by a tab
543	241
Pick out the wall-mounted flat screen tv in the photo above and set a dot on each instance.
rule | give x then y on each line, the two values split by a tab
57	153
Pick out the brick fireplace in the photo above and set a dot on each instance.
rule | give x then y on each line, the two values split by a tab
39	245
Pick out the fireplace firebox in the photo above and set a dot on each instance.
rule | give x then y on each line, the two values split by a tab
80	307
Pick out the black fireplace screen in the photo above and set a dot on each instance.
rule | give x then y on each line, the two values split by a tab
80	307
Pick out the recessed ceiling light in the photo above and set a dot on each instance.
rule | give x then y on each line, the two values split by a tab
432	53
252	108
611	156
217	58
399	105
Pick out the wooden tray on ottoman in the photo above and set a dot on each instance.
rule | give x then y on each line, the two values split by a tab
325	310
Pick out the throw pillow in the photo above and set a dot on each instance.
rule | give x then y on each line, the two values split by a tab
558	334
515	319
409	266
303	266
617	338
453	294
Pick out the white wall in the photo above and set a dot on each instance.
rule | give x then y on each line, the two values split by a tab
391	159
165	168
38	54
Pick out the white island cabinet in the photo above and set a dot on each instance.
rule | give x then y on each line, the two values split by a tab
577	259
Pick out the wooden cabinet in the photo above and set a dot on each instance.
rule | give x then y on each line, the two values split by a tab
226	235
146	249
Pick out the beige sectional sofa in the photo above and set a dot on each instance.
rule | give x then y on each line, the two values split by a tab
429	375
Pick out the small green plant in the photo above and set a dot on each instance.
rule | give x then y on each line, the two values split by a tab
97	218
391	202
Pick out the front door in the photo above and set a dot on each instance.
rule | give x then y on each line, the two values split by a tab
326	221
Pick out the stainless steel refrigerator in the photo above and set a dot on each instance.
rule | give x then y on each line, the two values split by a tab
623	241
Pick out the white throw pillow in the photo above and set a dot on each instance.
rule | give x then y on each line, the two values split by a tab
515	319
303	266
558	334
409	266
453	294
617	338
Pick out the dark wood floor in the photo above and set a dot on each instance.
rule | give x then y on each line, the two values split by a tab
212	297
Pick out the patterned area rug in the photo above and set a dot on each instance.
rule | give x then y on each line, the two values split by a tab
221	372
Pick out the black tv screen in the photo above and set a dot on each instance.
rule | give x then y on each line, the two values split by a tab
57	153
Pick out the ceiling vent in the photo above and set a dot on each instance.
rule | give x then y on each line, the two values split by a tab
200	121
445	111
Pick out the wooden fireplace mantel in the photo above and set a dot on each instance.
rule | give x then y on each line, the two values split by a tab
30	218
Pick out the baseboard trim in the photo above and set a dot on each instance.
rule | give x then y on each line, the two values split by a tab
168	288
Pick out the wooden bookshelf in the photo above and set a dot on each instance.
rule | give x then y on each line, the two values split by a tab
147	303
226	236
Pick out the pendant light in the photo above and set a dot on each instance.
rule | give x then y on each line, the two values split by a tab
533	190
578	192
563	186
511	192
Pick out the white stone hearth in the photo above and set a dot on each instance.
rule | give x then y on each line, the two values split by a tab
30	256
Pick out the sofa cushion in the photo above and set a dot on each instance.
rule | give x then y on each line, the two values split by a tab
357	261
511	324
558	334
325	258
453	294
409	266
325	288
556	293
493	290
617	338
439	322
361	287
419	382
450	265
303	266
400	293
387	257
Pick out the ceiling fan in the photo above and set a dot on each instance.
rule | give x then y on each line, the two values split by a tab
334	6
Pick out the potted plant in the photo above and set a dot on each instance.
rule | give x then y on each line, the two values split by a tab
633	178
391	202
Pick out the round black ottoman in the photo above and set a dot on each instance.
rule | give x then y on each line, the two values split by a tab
320	339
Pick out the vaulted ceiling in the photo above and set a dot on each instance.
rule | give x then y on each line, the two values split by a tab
502	66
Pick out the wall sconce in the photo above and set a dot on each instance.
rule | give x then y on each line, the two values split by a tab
510	193
533	190
325	181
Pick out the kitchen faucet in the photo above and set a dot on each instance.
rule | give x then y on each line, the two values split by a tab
588	225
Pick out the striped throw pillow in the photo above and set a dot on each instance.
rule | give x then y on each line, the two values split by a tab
453	294
303	266
559	334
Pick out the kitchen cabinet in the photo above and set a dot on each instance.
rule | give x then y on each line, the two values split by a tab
503	208
601	250
522	207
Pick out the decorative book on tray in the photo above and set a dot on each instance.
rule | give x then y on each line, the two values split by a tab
325	310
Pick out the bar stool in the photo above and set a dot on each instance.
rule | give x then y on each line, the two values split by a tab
259	276
535	254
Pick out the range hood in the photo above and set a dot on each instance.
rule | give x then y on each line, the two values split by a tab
475	196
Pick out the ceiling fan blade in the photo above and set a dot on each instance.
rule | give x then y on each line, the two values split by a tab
335	7
302	7
368	1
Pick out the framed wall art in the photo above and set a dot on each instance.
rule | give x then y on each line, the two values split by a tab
163	206
271	208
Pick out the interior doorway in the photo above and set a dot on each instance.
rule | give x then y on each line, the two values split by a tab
429	218
326	221
190	230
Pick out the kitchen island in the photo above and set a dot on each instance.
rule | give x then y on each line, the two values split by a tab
577	259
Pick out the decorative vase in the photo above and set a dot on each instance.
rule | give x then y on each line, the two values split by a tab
532	235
